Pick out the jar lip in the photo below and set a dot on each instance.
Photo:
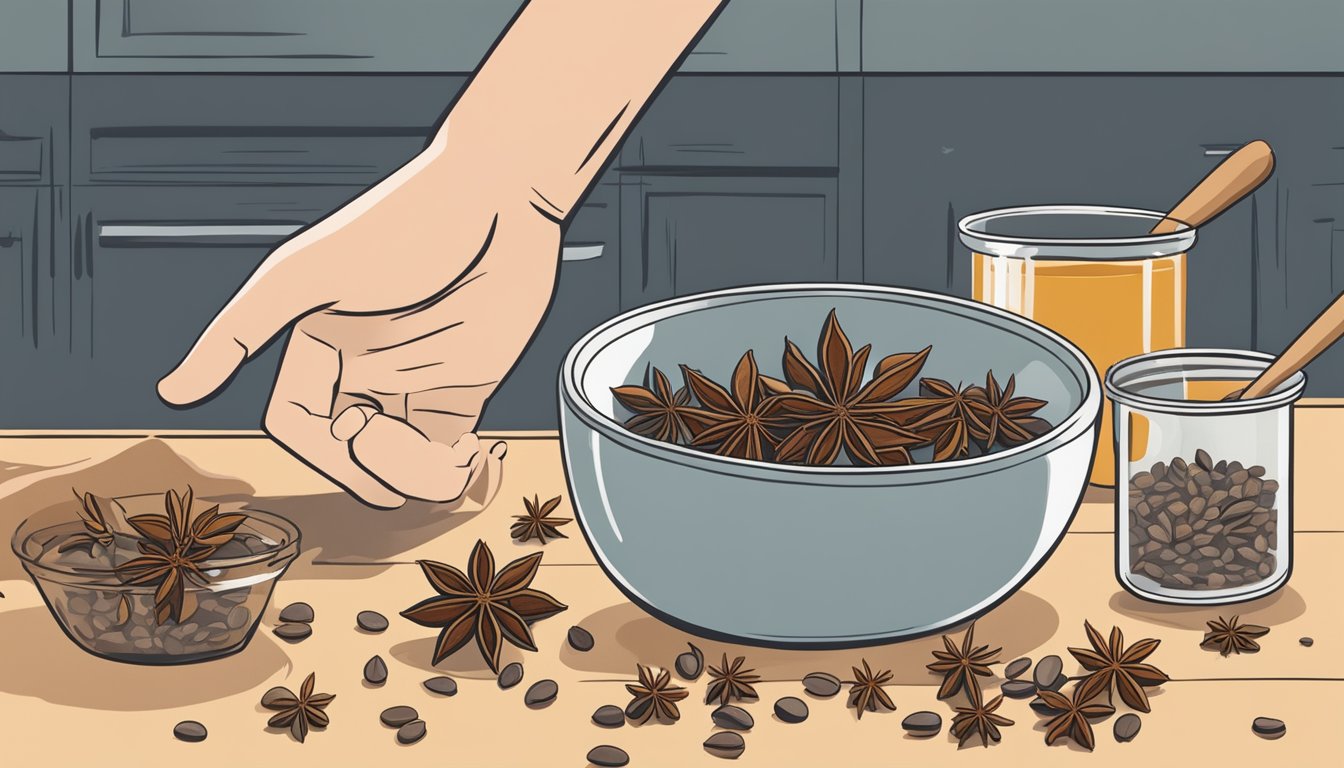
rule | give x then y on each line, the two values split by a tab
1122	376
972	232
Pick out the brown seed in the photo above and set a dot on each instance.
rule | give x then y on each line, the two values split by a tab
1127	727
541	693
732	717
1306	641
580	639
690	663
821	684
1019	689
293	632
395	717
1017	668
1268	727
791	709
511	675
297	613
371	621
609	716
442	685
1049	673
189	730
411	732
375	671
726	744
608	756
923	724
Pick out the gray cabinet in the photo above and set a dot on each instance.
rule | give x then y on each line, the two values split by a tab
33	36
285	35
938	148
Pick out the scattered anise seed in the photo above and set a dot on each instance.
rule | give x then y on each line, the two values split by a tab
961	666
654	696
866	694
486	606
1111	662
731	682
1073	718
1229	636
538	523
979	719
298	713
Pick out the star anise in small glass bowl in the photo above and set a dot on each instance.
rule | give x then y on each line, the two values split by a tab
176	581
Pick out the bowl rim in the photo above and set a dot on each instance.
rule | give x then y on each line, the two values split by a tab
1084	418
25	532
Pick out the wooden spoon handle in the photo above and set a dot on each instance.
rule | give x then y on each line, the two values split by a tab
1234	178
1320	334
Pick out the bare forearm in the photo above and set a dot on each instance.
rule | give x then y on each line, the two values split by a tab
564	85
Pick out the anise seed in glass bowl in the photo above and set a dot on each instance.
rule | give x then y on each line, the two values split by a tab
108	617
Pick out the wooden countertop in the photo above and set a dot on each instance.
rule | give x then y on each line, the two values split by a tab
63	706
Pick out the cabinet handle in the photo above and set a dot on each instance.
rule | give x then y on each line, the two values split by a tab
582	252
124	235
193	234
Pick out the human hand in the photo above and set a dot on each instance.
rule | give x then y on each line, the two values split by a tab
412	302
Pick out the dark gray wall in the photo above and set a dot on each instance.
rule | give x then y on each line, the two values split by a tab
799	168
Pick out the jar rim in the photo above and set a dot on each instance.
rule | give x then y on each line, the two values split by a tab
973	231
1122	378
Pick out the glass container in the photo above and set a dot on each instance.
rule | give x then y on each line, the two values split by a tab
1205	516
1094	274
115	620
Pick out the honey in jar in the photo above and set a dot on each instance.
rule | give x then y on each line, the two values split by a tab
1092	274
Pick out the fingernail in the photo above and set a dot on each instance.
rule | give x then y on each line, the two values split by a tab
353	419
499	450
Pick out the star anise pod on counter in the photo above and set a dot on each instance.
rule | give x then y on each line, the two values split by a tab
96	531
731	681
654	696
1231	636
735	423
1111	662
1073	718
484	606
538	523
298	713
979	720
834	409
960	666
866	693
174	548
659	412
942	414
996	416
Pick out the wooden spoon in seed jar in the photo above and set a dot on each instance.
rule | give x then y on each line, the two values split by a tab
1237	176
1315	339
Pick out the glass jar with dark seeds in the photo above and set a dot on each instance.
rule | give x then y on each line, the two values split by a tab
1203	515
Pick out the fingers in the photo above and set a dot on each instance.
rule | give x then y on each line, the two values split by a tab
404	458
279	291
299	418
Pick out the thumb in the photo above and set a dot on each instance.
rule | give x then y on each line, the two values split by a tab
282	289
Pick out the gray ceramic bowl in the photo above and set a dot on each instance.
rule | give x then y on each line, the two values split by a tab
821	557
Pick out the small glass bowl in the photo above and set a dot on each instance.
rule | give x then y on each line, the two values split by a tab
1204	507
117	621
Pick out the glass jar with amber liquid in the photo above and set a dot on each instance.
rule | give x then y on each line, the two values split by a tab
1097	275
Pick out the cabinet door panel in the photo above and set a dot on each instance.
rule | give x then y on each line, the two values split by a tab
33	128
33	312
685	236
286	35
248	129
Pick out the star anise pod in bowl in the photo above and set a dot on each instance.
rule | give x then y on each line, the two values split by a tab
96	530
175	545
660	413
998	417
832	409
735	422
